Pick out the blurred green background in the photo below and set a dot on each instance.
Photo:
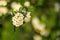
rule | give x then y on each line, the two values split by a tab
46	11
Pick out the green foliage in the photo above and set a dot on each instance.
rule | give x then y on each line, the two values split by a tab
38	9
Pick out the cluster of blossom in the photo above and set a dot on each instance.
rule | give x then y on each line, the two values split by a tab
18	19
39	27
21	15
57	7
3	8
16	6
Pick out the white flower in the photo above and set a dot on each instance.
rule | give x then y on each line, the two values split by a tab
58	32
3	3
3	10
15	6
37	37
28	14
44	32
57	7
18	19
28	17
19	15
37	25
27	4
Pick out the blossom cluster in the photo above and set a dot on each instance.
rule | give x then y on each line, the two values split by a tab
21	15
39	27
3	8
18	19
